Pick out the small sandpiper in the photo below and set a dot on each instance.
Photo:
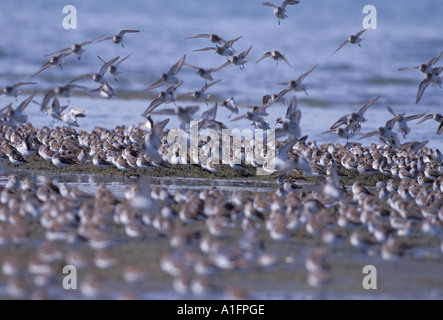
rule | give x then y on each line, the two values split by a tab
353	39
279	11
118	38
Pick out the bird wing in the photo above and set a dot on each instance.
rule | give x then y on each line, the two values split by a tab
192	109
292	107
341	46
156	84
200	35
367	105
46	99
245	53
435	59
284	150
118	63
440	128
269	4
416	116
22	106
286	60
369	134
231	42
168	111
105	65
421	89
224	65
343	120
107	38
267	54
122	33
43	67
19	84
154	104
211	113
391	111
206	49
304	75
358	34
176	67
288	2
77	112
206	86
428	117
81	77
411	68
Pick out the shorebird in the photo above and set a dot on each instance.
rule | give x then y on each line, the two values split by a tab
387	136
212	37
76	49
225	50
282	162
153	142
403	121
436	117
297	85
184	114
201	94
167	96
230	105
113	69
104	91
54	61
353	39
276	55
279	12
431	78
256	116
62	161
60	91
170	77
118	38
16	115
290	122
70	118
240	59
12	91
427	68
355	118
206	73
100	76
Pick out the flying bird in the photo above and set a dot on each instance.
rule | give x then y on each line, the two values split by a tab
297	85
279	11
118	38
12	91
170	77
53	62
436	117
427	68
113	69
276	55
353	39
100	76
76	49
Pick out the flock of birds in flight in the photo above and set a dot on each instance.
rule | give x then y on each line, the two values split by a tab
345	127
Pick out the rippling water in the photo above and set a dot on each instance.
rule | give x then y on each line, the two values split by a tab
408	33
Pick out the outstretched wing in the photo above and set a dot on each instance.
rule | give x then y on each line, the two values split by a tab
367	105
341	46
421	89
304	75
267	54
176	67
